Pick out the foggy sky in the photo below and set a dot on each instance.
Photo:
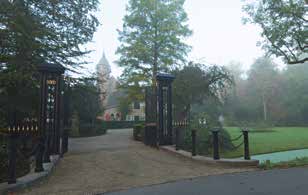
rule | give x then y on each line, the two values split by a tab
219	36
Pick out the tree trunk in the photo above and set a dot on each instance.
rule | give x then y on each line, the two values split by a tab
154	66
155	50
264	108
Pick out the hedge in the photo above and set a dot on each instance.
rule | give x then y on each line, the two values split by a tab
100	127
88	130
22	164
120	124
138	132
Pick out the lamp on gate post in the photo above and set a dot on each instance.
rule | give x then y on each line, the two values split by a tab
49	118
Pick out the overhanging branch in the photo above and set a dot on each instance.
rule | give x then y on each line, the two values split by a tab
297	61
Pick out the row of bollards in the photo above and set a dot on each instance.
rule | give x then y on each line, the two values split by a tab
215	133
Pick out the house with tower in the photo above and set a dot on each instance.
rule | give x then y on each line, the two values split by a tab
110	95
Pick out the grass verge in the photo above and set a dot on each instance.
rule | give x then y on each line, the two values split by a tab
288	164
270	140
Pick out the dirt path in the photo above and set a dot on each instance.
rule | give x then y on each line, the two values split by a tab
114	162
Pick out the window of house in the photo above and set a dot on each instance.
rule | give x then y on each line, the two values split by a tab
136	105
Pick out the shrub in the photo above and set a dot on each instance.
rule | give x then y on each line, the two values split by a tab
138	132
202	140
204	137
22	163
89	129
224	138
100	130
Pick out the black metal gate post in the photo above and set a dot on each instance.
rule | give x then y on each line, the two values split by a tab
246	144
39	156
177	138
46	153
193	142
151	134
169	114
160	115
57	115
50	108
66	113
215	144
64	141
164	124
41	125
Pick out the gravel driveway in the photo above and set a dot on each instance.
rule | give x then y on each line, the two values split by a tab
116	162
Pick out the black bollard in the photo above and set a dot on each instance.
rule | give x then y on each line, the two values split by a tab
177	137
193	142
246	144
12	154
215	144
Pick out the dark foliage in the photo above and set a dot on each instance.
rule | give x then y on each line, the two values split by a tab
119	124
33	32
88	130
196	83
84	98
22	166
138	132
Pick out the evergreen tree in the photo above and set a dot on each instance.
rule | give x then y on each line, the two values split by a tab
152	39
33	32
195	84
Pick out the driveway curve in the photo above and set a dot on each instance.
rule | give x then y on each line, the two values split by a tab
115	162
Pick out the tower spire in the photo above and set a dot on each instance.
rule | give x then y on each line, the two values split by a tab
103	66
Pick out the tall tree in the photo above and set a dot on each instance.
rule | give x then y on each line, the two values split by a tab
195	83
50	30
284	27
294	98
152	39
262	83
33	32
85	99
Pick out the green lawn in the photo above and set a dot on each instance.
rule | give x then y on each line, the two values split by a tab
270	140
